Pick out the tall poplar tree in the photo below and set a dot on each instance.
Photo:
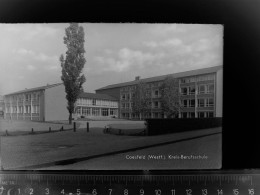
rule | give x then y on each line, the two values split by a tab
73	65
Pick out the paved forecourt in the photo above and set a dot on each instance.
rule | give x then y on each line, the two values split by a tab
30	150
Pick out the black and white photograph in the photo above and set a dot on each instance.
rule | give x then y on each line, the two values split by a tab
111	96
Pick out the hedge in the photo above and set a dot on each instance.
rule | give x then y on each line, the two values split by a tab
164	126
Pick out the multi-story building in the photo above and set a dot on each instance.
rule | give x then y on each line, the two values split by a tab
48	103
45	103
91	105
201	94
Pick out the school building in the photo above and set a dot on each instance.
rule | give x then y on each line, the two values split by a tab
49	103
45	103
201	94
91	105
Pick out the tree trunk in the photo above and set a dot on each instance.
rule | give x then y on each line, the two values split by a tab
70	118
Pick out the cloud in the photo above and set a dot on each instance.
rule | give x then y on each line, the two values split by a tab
36	56
30	67
52	67
151	44
30	31
23	51
165	29
167	43
125	59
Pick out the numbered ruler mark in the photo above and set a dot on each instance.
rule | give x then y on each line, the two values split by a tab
48	184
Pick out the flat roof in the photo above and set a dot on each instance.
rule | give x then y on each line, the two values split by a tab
35	89
160	78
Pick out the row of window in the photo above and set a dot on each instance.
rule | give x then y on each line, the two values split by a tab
26	97
24	109
202	89
129	96
200	114
148	85
128	88
207	114
203	102
147	115
155	104
198	78
95	102
96	111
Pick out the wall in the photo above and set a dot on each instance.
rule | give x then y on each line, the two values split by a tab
219	93
56	104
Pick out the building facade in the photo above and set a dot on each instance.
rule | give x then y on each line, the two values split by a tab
46	103
201	94
49	103
91	105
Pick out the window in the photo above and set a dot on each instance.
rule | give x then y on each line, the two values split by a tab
192	103
128	96
33	96
104	111
95	112
112	112
205	114
210	88
185	103
209	114
78	110
201	103
125	115
27	97
28	109
191	114
133	95
209	102
123	97
201	115
191	90
188	103
201	89
156	104
85	111
127	105
123	105
20	109
184	91
94	102
156	93
192	79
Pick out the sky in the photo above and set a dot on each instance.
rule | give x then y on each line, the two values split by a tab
115	52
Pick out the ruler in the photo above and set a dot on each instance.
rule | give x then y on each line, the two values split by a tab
147	183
